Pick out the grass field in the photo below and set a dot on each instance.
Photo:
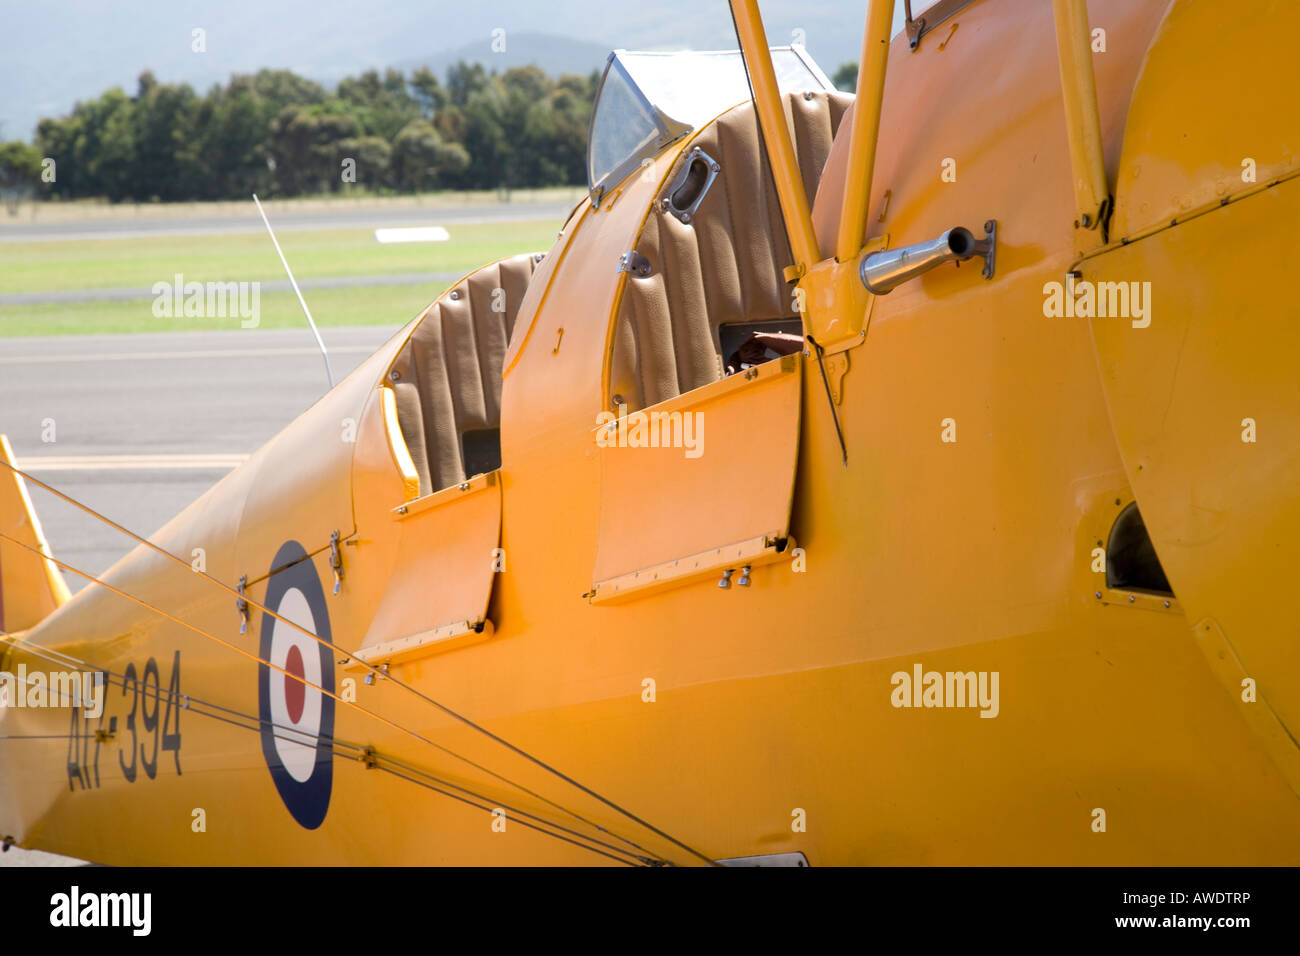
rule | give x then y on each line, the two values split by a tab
246	257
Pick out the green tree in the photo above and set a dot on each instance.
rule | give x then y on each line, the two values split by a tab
305	148
429	95
846	78
373	157
423	160
380	106
20	173
167	145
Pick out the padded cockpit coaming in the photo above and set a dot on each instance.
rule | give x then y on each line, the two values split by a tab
447	379
724	266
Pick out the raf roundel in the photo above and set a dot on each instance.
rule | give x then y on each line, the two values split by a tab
297	718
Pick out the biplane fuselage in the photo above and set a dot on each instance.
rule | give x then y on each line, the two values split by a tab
919	655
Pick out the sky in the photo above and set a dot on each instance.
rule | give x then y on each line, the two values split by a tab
56	52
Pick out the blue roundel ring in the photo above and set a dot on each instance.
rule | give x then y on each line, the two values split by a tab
297	721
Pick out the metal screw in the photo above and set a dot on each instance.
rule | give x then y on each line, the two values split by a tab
539	256
807	94
454	295
1098	595
402	510
395	375
1166	604
1131	599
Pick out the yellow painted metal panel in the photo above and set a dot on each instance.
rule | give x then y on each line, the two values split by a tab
1206	410
447	561
31	586
1198	134
662	503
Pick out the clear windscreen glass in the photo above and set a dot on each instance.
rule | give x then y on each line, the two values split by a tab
622	126
648	98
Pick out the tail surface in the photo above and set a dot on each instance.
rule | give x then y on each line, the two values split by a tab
31	585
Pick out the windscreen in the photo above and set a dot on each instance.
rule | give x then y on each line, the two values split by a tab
647	100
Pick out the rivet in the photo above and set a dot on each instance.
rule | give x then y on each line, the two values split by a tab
1166	604
807	94
454	295
395	375
1131	599
1098	595
539	256
402	510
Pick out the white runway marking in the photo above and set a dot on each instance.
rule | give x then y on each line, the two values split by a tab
223	462
413	234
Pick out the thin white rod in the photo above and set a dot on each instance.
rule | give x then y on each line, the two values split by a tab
294	282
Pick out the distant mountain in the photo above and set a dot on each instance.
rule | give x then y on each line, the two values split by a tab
55	52
554	54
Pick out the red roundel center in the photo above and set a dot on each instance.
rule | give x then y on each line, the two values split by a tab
295	692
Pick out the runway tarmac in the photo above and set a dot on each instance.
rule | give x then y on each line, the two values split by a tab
344	217
143	424
138	426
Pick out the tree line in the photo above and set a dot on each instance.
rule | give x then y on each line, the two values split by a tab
278	134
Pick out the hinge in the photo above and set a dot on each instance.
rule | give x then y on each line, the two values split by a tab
242	605
635	263
336	561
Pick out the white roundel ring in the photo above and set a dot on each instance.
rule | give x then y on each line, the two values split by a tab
295	705
294	702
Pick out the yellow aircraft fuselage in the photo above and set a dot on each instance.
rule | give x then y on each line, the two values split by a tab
924	662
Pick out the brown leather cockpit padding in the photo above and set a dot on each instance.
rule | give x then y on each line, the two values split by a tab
447	378
722	267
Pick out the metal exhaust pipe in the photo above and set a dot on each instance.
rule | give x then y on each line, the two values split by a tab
886	270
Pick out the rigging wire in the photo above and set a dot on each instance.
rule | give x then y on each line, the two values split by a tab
362	753
398	683
302	680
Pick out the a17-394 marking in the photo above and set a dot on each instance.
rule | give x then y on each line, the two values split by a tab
152	727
